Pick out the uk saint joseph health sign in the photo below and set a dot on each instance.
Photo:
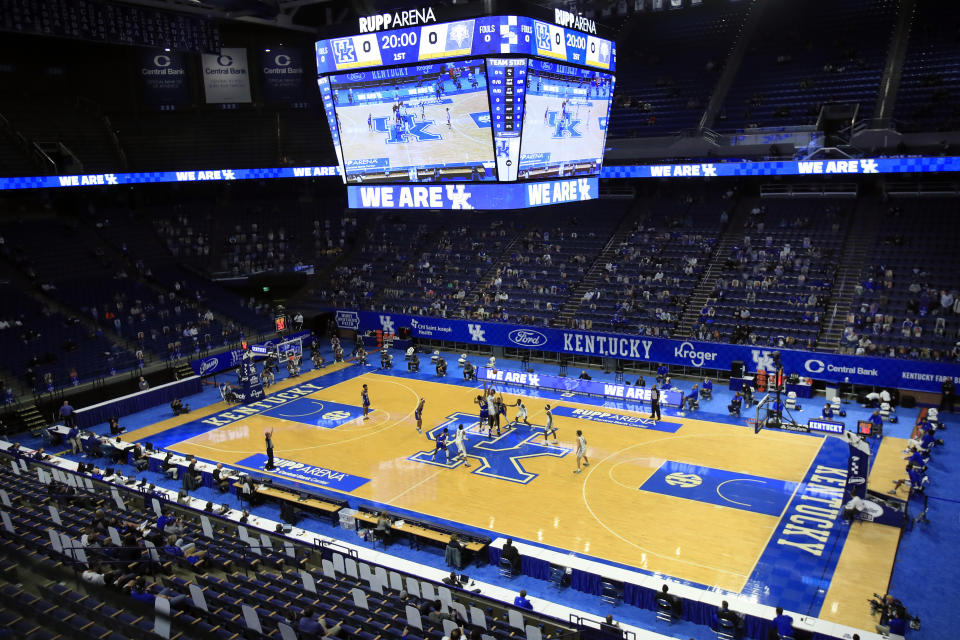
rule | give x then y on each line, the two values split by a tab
881	372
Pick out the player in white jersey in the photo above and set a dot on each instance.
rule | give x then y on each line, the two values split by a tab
549	429
522	412
491	410
418	414
448	118
459	437
581	451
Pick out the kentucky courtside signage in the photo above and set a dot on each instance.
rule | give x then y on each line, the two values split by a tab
831	367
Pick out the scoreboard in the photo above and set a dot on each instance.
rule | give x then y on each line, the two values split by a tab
488	35
490	100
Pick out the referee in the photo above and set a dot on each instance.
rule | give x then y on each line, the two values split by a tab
654	403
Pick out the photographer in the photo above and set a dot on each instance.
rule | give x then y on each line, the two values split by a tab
441	367
893	615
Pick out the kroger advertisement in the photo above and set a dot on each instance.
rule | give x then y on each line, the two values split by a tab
565	121
471	195
881	372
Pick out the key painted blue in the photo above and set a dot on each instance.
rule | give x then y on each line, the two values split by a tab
307	473
720	487
636	421
795	568
498	457
316	413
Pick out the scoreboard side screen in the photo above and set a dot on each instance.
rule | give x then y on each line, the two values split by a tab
488	35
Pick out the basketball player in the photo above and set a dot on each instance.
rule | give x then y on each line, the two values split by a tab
449	126
423	115
549	428
522	412
459	437
369	122
581	451
365	401
418	414
484	414
442	446
492	414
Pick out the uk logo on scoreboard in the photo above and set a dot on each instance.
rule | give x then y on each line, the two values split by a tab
543	36
343	51
406	129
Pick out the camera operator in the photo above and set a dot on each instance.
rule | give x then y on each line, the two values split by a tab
441	367
893	615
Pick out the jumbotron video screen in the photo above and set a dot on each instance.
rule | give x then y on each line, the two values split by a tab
531	103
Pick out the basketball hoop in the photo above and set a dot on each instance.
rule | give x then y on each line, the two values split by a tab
754	424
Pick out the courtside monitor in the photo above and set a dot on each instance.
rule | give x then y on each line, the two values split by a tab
494	112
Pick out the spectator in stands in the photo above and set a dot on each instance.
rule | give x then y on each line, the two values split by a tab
312	626
511	555
783	624
436	615
522	602
178	407
140	592
143	385
177	548
66	414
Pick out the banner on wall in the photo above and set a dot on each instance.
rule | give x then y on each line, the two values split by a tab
226	78
880	372
163	78
283	75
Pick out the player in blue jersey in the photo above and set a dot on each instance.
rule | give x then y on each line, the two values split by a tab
369	122
418	414
442	446
365	401
484	414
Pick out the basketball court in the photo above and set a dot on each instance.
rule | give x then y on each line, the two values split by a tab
709	503
429	141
